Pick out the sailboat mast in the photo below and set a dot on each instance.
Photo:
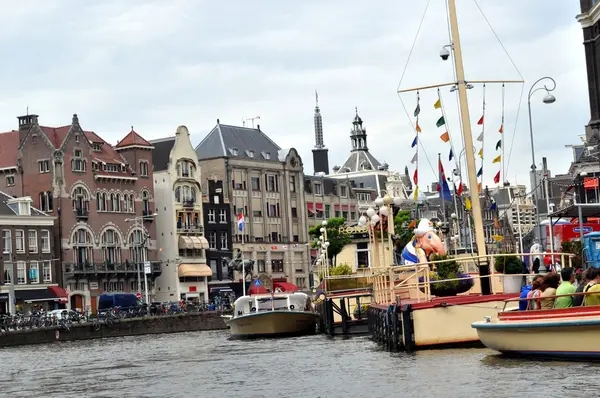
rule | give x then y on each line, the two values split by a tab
468	141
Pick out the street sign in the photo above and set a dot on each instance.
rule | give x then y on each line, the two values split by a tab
147	267
138	295
256	282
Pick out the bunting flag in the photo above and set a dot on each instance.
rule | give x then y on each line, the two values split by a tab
497	159
443	188
479	187
451	155
480	172
496	223
414	159
480	122
501	129
480	153
440	122
493	205
413	224
414	143
499	144
416	177
480	138
438	104
497	178
417	127
445	137
467	204
460	188
417	110
416	193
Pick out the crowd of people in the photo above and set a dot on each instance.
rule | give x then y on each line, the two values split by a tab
541	294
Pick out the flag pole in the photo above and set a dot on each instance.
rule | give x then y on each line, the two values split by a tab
243	267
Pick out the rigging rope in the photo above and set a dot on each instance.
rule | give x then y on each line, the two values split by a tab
449	135
413	46
502	141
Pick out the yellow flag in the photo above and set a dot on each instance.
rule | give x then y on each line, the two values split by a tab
467	204
445	137
497	160
416	193
438	104
481	153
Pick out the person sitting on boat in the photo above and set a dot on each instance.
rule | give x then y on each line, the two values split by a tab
578	300
549	286
422	244
566	287
592	287
533	295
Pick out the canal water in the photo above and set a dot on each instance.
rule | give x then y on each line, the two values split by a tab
207	364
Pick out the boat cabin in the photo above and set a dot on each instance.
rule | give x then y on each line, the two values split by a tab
266	302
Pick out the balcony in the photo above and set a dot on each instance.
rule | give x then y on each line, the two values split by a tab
148	215
188	203
189	228
82	269
81	214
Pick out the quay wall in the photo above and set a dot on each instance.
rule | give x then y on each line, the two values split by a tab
124	327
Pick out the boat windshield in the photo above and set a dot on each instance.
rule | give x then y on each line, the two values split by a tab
279	303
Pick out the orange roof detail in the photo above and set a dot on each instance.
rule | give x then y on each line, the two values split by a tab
132	139
9	142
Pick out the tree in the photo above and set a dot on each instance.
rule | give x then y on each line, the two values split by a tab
342	269
401	227
337	240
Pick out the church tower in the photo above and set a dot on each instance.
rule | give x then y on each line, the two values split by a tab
320	153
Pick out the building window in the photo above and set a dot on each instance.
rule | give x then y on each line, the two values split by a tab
34	272
138	252
212	240
344	191
80	198
277	265
362	255
20	241
178	194
222	216
144	169
223	236
111	247
211	216
272	185
327	211
46	201
21	273
318	189
32	241
47	271
82	246
146	201
45	238
295	238
261	265
6	242
273	210
256	213
292	183
255	181
10	181
301	283
294	212
77	163
44	166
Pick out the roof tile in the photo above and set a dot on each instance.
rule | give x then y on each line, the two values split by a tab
132	138
9	142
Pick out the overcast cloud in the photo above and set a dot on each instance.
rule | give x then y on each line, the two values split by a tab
158	64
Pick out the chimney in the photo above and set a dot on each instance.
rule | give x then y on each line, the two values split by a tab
218	122
25	122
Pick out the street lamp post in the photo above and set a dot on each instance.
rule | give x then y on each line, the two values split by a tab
548	99
140	245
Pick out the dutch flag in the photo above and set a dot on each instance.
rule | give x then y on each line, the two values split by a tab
240	222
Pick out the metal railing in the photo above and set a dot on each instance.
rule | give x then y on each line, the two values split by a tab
190	228
87	267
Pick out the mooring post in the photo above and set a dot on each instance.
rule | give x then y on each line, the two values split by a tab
408	327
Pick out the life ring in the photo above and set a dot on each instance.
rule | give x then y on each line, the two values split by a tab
253	309
292	307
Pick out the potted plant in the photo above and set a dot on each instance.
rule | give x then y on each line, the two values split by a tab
360	311
512	268
439	284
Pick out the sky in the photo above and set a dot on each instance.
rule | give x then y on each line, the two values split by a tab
155	65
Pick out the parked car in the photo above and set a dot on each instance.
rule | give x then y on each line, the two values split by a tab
108	301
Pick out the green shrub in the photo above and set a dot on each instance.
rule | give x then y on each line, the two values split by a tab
509	265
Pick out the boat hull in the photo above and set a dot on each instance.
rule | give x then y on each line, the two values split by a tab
572	339
273	324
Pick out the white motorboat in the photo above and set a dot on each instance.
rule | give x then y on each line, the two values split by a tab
272	315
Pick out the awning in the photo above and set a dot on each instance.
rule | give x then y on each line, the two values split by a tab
196	242
257	290
194	270
59	292
319	206
310	207
345	207
185	243
587	210
204	242
192	295
285	286
336	206
222	289
32	295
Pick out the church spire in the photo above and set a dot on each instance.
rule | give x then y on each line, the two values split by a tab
319	144
358	134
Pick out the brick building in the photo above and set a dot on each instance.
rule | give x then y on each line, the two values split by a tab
28	257
102	197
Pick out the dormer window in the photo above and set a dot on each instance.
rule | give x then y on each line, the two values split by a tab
233	151
343	191
250	153
113	168
266	155
123	168
97	147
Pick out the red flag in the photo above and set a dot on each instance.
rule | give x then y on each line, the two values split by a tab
416	178
480	121
497	178
460	189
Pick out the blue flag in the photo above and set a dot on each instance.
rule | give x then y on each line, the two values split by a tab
414	143
443	186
